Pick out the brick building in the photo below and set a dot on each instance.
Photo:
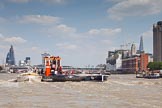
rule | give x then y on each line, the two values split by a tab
135	63
143	62
130	64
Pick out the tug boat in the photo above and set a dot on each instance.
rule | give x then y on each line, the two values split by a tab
53	72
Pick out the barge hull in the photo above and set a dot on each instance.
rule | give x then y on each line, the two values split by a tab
74	78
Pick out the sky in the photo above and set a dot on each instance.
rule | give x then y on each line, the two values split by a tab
81	32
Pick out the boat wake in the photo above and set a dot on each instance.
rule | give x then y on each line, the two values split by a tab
132	83
123	83
8	84
21	78
28	77
146	83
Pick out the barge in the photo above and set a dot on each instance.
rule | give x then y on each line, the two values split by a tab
74	78
53	72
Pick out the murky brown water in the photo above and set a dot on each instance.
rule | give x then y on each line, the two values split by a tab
120	91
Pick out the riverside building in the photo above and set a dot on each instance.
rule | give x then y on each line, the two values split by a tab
114	60
135	63
128	60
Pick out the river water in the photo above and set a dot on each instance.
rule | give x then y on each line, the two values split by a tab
120	91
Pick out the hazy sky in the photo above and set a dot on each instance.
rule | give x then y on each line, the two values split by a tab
81	32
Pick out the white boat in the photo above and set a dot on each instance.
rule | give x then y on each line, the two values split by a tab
29	76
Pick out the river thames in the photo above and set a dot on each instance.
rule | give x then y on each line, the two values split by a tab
120	91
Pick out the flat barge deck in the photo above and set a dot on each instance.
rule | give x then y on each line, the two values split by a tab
76	78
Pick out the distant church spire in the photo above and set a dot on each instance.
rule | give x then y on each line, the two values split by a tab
141	45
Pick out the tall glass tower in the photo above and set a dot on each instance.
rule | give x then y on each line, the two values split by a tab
141	45
10	59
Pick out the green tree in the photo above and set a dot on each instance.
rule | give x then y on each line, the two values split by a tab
155	65
160	66
150	66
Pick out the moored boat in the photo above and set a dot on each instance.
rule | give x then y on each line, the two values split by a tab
149	75
152	76
28	76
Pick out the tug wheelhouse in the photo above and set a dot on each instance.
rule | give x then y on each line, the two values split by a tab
52	65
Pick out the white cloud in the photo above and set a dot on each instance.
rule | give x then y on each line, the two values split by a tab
36	49
63	31
113	0
126	8
54	1
66	29
39	19
107	42
104	31
13	39
46	1
2	20
148	33
3	47
69	33
19	1
66	46
1	36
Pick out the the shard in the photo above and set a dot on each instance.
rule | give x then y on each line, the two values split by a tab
141	45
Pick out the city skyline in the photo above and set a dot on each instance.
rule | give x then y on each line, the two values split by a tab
71	28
